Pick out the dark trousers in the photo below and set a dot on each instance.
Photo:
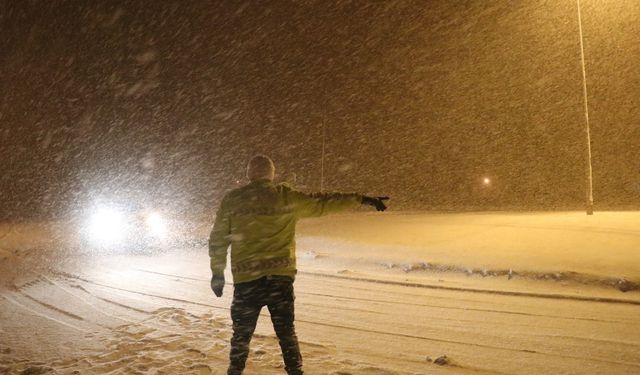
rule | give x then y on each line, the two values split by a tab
276	292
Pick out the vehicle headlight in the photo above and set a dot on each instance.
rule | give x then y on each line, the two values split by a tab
107	225
156	224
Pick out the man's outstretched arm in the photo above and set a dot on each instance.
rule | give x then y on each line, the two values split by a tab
319	204
219	241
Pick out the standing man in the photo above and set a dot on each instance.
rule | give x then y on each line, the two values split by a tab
259	221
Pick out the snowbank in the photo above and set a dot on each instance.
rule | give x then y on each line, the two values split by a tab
599	250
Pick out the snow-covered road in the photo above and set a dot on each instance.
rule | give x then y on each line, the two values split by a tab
128	314
357	313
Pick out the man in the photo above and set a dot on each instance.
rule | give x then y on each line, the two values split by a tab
258	221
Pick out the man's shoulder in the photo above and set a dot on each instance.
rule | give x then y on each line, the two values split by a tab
242	192
284	187
289	191
235	193
252	189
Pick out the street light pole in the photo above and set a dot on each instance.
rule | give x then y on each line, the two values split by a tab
586	117
322	155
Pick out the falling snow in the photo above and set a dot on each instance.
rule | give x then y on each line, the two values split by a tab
469	115
447	94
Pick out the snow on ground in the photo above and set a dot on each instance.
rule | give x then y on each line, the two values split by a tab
602	248
376	294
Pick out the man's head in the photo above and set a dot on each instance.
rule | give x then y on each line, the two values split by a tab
260	167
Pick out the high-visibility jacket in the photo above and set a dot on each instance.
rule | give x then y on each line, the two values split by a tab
259	220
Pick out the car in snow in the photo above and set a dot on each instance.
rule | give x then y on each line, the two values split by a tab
126	228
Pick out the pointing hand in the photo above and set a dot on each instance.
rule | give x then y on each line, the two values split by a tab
377	202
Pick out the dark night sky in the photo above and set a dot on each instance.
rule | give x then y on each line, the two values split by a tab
421	99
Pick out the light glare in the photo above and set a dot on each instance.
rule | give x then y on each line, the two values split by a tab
107	225
156	225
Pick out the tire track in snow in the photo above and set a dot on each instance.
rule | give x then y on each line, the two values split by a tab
143	323
591	339
45	316
77	277
101	311
484	346
51	307
372	331
362	299
122	305
483	291
342	307
82	300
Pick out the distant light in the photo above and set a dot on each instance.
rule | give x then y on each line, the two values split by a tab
486	181
107	225
156	224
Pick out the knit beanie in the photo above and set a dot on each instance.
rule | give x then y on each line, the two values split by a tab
260	167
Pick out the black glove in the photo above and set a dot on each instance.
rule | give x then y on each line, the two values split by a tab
217	284
377	202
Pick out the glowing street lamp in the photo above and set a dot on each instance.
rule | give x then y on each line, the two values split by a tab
586	117
486	181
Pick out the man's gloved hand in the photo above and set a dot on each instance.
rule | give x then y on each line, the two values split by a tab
377	202
217	284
